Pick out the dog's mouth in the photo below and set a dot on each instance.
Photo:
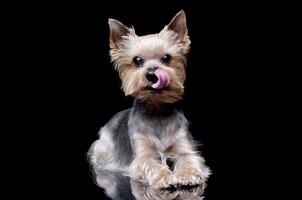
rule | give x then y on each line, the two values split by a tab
162	79
158	81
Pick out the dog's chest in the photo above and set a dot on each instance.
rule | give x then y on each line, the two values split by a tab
161	130
162	127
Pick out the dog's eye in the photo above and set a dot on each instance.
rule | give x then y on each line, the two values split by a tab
166	59
138	61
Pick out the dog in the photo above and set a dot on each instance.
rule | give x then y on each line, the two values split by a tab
150	142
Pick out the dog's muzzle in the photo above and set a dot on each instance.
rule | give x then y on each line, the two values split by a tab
159	78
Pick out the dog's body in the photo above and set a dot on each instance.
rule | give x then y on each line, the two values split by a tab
150	142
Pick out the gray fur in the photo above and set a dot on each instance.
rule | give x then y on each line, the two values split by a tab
139	119
161	124
149	142
118	127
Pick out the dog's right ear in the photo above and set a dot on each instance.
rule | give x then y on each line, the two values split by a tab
179	25
117	31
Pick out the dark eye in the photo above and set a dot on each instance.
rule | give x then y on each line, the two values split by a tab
138	61
166	59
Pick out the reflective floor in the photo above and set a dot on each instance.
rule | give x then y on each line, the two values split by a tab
119	187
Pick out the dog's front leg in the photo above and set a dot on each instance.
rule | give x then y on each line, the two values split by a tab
146	167
189	167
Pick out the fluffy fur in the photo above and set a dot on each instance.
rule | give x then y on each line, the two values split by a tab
150	142
151	48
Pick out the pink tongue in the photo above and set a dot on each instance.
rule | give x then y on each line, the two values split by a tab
163	79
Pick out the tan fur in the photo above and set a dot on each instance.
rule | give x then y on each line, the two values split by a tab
152	46
145	166
151	153
190	167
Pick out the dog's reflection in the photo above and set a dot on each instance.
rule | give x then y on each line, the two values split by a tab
120	187
143	192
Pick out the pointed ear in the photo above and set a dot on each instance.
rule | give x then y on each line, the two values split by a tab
117	31
179	25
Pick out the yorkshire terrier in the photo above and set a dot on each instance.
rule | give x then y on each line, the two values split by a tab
150	142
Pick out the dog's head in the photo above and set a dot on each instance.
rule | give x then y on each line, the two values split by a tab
151	67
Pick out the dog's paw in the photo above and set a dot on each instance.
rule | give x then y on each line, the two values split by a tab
164	180
189	177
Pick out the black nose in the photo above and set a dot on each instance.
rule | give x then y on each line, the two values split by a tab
151	77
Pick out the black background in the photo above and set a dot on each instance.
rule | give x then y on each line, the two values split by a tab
66	89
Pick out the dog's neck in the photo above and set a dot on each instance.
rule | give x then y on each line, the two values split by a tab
163	109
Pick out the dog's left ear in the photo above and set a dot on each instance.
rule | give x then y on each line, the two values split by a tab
117	31
179	25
